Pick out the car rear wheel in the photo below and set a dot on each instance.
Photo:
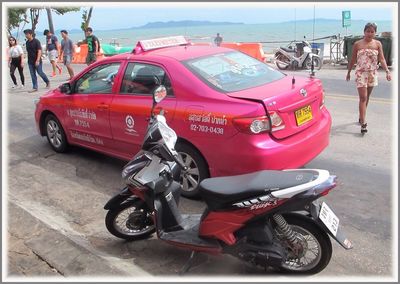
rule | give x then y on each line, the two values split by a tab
55	134
197	170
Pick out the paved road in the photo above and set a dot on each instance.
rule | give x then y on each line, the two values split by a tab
56	221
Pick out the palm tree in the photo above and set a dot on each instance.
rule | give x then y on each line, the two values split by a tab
86	16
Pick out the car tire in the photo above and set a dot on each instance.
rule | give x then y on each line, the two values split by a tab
198	170
55	134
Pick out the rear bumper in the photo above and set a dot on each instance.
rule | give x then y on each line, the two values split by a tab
263	152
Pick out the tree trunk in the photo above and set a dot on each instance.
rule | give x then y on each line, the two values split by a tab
50	19
89	16
86	20
34	19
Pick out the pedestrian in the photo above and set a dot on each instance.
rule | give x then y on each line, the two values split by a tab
218	40
366	54
52	47
93	46
16	61
34	50
67	52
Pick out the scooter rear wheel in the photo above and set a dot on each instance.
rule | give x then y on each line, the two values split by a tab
130	221
282	62
314	249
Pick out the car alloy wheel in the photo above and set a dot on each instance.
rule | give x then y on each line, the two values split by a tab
55	134
197	170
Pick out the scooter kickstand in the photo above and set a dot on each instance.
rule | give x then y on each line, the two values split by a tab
188	264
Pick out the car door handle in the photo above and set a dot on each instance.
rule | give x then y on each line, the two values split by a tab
103	106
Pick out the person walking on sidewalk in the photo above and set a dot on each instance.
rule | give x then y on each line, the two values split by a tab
52	48
218	40
16	61
93	46
67	52
366	54
34	50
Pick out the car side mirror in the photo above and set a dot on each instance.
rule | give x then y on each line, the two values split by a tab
65	88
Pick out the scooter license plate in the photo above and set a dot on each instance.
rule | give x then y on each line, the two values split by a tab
329	218
303	115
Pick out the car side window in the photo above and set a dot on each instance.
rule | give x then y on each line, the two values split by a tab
99	80
142	79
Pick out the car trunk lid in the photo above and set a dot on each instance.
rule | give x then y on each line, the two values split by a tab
298	104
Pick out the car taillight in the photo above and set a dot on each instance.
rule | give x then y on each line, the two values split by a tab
252	125
256	125
276	121
323	100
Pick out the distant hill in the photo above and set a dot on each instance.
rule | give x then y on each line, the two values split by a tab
188	23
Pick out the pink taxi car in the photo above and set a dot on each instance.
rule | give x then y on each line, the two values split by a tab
233	114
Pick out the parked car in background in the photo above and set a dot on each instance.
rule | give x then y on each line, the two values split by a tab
233	114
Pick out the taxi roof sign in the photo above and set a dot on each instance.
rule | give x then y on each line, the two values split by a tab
149	44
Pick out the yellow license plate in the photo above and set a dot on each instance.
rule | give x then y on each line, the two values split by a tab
303	115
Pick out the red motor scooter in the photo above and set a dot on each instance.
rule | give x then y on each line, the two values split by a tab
267	218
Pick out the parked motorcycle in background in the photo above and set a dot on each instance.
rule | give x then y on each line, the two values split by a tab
297	55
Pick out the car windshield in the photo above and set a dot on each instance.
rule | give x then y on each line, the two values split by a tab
232	71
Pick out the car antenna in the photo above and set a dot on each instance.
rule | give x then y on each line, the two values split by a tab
295	22
312	73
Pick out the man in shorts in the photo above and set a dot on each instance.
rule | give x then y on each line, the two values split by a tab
52	48
67	52
93	46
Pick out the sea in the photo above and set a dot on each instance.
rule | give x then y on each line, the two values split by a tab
271	35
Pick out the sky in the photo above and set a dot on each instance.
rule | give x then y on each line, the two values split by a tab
107	16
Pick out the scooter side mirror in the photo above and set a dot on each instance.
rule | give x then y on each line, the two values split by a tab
159	94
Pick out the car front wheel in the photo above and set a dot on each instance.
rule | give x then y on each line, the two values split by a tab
55	134
197	170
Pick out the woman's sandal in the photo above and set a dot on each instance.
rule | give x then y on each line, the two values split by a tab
364	128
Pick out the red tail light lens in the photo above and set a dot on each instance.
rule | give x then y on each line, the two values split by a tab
322	100
276	121
252	125
256	125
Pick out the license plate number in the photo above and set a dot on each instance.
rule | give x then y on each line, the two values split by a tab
329	218
303	115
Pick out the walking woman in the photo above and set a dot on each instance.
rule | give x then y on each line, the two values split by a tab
366	54
16	61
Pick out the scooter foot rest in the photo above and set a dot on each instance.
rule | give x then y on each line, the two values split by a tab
190	235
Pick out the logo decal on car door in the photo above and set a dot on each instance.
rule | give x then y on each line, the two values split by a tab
130	124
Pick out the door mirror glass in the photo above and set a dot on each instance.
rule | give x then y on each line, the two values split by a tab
159	94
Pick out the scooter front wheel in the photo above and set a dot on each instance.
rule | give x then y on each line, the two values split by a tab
130	221
317	63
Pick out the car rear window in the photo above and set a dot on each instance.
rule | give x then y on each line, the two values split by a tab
232	71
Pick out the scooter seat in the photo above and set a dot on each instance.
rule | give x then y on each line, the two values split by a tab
221	192
288	49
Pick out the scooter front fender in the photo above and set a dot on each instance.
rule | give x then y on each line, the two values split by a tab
120	198
340	236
